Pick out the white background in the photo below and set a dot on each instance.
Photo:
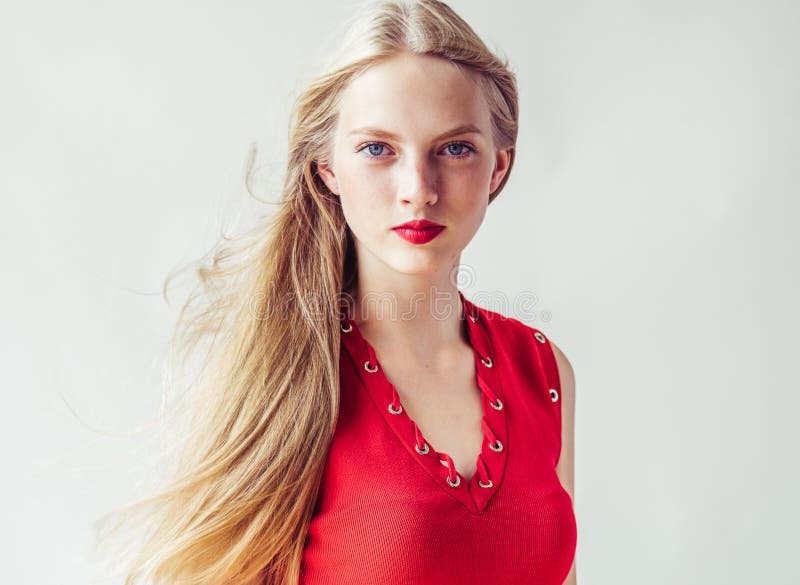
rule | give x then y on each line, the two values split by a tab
651	209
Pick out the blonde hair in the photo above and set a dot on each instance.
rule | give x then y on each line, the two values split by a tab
265	313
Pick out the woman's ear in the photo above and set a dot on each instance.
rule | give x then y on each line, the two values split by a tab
502	162
326	172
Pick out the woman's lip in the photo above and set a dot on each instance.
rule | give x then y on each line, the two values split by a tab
418	224
421	236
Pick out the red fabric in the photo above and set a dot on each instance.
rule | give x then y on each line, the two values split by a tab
386	514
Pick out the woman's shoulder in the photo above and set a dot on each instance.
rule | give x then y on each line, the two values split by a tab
518	333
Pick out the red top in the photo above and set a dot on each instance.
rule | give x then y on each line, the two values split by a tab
392	510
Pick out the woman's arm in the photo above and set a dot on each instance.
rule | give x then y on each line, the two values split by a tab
566	462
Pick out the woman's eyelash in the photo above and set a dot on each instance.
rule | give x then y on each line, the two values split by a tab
467	152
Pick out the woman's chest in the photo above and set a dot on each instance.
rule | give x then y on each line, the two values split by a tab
381	516
446	408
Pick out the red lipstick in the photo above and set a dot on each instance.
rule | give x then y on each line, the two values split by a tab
418	231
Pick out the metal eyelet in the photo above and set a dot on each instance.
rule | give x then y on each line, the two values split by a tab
497	447
553	394
539	337
486	363
349	328
374	368
458	477
473	318
421	451
487	485
497	405
393	411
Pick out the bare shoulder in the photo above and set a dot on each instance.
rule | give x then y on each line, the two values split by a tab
566	461
565	372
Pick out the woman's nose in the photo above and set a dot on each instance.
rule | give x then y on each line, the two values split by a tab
418	183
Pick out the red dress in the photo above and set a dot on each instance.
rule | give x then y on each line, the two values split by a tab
392	510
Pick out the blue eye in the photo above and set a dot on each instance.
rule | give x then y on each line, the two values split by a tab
458	145
464	150
373	145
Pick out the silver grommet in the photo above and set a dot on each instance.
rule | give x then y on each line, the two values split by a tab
456	484
497	447
486	363
487	485
349	328
498	405
393	411
374	368
553	394
539	337
421	451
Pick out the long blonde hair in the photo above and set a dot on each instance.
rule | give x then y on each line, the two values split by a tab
264	321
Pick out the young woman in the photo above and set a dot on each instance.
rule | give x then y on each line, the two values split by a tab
336	443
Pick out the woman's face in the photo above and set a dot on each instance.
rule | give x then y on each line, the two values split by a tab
413	141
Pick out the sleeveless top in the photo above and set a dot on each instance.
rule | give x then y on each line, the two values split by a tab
393	510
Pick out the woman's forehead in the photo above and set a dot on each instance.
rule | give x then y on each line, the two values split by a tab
419	92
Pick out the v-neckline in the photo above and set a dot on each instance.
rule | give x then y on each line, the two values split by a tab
491	461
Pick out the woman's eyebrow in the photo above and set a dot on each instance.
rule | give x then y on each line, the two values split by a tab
372	131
